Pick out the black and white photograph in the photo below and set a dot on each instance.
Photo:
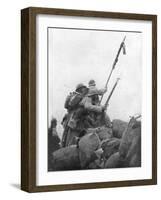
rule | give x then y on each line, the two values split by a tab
94	105
89	96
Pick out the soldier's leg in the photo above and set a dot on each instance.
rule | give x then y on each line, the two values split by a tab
65	126
64	137
69	138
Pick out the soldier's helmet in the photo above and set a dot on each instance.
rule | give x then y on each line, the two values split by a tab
91	83
79	86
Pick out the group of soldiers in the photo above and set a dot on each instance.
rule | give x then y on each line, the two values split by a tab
83	111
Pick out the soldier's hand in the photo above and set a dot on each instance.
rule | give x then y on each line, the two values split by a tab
103	108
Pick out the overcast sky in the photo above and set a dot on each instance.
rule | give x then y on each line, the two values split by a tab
77	56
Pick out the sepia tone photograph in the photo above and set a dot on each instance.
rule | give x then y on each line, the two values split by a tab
94	98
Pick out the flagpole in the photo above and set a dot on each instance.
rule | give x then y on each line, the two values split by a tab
122	45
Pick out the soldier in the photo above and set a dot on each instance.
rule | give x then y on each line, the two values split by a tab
53	141
96	111
90	102
92	86
104	118
70	121
75	97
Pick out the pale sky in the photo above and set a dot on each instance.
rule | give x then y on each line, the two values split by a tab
76	56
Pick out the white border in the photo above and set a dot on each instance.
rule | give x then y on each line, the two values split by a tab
87	176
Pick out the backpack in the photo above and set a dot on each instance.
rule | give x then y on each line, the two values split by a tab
66	105
75	100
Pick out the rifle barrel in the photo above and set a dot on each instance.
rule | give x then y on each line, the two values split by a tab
109	97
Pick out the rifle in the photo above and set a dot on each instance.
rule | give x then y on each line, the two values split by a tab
108	99
122	45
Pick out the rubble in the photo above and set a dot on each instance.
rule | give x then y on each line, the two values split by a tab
104	133
110	147
102	147
118	127
88	144
66	159
114	161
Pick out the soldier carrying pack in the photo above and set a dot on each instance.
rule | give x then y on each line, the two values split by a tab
72	106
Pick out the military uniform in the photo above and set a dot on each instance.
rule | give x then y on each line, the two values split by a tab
96	111
92	88
72	127
87	104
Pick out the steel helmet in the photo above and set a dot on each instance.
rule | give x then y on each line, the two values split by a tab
91	83
80	85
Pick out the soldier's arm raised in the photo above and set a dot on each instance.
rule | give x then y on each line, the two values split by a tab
88	105
102	91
